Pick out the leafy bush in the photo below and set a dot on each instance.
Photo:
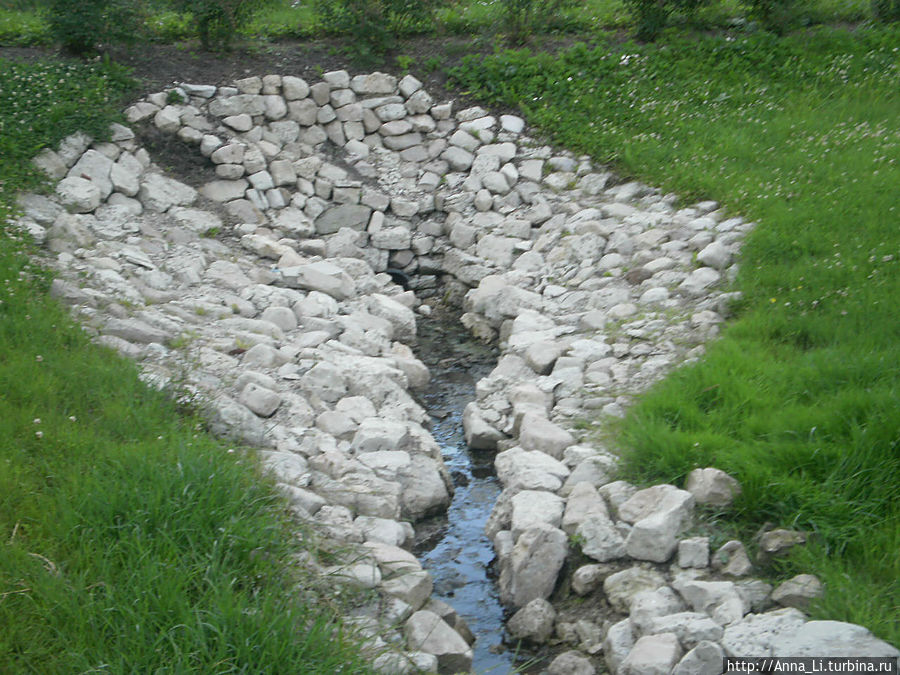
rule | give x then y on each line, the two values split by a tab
775	15
649	17
217	21
375	25
522	17
82	25
886	10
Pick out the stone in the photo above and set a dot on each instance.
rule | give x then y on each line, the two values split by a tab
777	542
78	195
321	276
135	330
263	402
693	552
715	255
704	659
600	540
798	591
718	599
698	282
834	638
712	487
622	586
159	193
652	655
426	631
534	622
617	644
353	216
224	190
479	434
534	565
649	605
539	433
659	515
755	635
691	628
732	559
532	507
582	501
571	663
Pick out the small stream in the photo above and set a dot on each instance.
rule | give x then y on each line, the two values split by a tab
454	548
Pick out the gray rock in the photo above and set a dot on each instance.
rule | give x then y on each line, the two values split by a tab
691	628
712	486
539	433
571	663
718	599
693	552
715	255
798	591
617	644
756	634
652	655
135	330
600	539
533	507
353	216
777	542
621	587
732	559
478	433
263	402
704	659
426	631
159	193
321	276
534	565
834	638
78	195
649	605
534	622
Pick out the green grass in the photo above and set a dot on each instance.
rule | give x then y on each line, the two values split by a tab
131	540
800	400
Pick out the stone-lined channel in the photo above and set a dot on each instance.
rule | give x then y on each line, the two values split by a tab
283	318
454	548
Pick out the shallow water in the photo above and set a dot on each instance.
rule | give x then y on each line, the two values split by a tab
454	548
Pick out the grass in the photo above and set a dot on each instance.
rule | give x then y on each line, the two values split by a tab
800	399
131	540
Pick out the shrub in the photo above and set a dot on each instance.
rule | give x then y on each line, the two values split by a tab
81	26
775	15
522	17
217	21
649	17
375	25
886	10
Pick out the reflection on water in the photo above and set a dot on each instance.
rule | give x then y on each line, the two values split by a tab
455	549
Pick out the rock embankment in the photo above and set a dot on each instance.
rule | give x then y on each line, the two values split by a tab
268	295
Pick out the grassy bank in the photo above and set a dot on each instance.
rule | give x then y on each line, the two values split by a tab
130	541
801	398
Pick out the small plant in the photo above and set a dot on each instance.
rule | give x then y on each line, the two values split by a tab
174	97
404	62
432	64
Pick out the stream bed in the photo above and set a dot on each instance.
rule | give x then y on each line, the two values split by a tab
454	547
